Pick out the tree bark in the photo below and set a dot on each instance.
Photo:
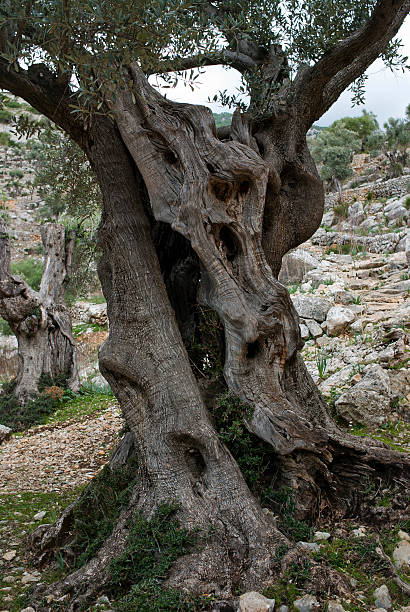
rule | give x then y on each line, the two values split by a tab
217	195
40	320
180	457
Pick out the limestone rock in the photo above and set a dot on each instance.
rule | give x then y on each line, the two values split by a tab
255	602
338	319
382	598
356	213
309	307
314	328
39	515
5	433
304	331
306	603
321	535
368	402
295	265
401	554
9	555
83	312
333	606
310	546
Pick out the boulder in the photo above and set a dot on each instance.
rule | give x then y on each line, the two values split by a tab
314	328
255	602
304	331
334	606
295	265
5	433
338	319
306	603
382	598
401	554
368	402
83	312
356	213
309	307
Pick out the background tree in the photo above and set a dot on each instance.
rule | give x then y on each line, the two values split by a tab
39	319
364	126
222	209
334	149
395	145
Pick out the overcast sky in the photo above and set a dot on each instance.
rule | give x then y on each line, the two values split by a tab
387	93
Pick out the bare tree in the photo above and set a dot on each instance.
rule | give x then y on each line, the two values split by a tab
40	319
187	208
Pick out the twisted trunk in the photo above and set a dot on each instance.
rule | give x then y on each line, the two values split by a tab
231	205
40	320
242	204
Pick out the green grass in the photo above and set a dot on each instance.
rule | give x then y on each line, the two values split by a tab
30	270
81	407
396	435
5	328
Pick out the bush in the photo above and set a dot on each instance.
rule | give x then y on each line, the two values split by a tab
20	418
5	116
98	509
5	328
12	103
151	549
31	270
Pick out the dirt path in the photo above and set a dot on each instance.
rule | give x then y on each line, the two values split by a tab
58	456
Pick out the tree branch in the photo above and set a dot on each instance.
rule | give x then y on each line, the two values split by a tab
235	59
44	91
316	88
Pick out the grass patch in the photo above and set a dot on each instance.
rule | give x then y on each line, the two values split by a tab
54	404
396	435
81	328
5	329
82	406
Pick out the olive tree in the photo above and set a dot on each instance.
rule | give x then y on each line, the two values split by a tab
40	319
193	213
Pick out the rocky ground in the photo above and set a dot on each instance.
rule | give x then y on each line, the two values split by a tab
350	285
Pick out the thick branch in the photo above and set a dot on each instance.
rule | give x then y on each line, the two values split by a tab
235	59
44	91
316	88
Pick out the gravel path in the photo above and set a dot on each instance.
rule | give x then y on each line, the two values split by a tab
58	456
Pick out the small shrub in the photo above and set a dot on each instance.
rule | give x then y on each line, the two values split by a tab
321	363
151	549
98	509
30	270
5	328
20	418
407	203
16	173
341	210
12	103
5	116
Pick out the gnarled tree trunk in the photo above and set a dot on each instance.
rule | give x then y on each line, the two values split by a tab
215	194
242	204
40	319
